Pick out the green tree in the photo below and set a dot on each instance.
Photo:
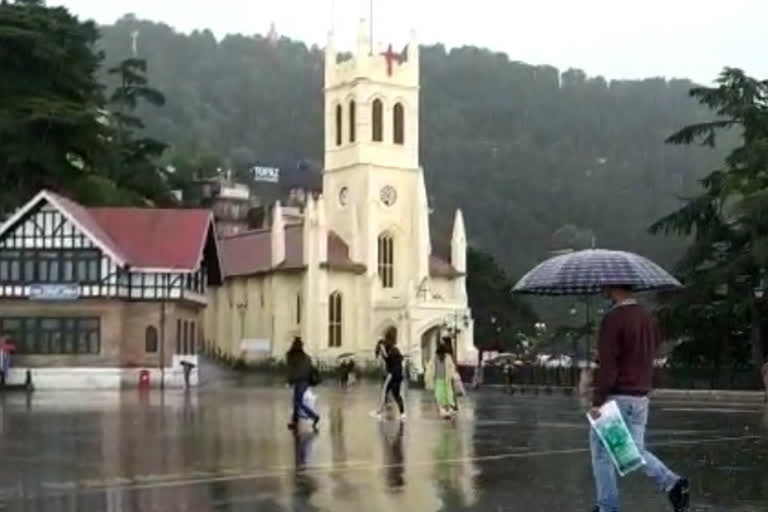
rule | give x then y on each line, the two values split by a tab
50	102
56	128
728	221
135	164
500	317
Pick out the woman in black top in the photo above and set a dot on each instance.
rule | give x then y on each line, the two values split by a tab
393	360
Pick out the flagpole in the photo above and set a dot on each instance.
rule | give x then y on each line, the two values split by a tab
371	31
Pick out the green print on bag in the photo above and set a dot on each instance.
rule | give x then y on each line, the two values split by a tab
615	436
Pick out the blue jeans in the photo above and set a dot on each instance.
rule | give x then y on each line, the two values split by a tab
298	402
634	409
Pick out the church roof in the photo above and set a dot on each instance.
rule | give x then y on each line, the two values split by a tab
250	253
438	267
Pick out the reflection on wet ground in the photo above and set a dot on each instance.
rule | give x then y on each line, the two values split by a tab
226	448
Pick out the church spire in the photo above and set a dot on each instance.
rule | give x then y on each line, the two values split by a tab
277	235
459	244
424	244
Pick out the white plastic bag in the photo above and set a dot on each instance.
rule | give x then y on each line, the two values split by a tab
309	400
616	438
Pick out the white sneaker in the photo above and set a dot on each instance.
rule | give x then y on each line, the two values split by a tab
403	416
375	414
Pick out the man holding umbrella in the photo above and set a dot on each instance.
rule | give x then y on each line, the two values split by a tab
629	340
628	343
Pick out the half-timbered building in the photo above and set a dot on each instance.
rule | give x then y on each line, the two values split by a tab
90	297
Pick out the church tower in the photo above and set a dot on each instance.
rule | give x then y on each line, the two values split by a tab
372	183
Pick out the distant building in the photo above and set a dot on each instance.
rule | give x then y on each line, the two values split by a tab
92	296
230	202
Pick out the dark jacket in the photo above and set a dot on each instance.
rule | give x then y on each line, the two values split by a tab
394	362
299	366
629	342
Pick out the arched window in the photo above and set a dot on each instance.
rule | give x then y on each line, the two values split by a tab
334	320
378	120
352	120
150	339
339	119
387	260
398	124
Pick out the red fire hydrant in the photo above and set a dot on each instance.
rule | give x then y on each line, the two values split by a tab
144	379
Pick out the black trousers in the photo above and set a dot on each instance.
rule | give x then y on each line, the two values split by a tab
393	386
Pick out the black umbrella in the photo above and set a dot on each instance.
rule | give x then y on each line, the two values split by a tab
588	272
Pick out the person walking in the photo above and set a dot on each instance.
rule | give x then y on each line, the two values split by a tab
628	342
300	377
393	361
381	354
439	379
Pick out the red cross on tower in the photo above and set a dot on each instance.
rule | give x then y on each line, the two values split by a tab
391	57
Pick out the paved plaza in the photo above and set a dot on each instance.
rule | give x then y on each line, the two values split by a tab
225	447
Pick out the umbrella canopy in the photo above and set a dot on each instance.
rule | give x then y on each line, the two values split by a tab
588	272
345	355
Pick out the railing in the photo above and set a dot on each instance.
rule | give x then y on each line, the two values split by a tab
726	378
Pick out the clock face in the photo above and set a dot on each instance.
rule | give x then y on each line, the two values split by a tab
343	196
388	195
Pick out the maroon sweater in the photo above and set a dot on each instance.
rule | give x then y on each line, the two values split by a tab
628	344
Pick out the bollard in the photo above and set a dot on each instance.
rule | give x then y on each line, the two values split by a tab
144	379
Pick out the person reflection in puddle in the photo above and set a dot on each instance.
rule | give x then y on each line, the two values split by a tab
394	458
304	482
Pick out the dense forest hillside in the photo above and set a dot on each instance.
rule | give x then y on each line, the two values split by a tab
536	158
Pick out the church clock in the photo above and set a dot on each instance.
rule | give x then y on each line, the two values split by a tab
388	195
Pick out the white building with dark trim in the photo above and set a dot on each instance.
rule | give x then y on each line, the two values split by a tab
90	297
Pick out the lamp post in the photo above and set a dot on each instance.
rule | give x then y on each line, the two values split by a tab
454	325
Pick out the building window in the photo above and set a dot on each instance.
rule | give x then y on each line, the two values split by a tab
378	120
339	123
352	120
386	258
50	266
298	310
185	337
150	339
398	124
178	335
53	335
334	320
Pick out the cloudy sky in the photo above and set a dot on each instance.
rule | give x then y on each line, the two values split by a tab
614	38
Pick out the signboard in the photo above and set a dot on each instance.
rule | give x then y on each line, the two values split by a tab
69	291
268	174
255	345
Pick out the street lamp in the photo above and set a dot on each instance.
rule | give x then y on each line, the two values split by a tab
460	321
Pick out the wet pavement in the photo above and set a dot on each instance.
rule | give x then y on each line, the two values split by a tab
225	447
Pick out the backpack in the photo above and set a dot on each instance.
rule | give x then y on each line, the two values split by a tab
314	376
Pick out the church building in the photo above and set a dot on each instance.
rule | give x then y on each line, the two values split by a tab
359	267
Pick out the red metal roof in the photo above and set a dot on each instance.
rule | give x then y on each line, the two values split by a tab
250	252
156	237
438	267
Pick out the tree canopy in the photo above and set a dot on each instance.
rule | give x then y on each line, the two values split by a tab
728	224
56	125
